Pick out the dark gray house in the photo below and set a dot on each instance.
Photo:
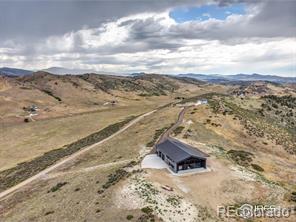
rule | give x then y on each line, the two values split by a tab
181	156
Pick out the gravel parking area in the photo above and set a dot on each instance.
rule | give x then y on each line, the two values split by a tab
152	161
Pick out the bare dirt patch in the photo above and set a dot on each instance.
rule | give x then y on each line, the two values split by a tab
169	206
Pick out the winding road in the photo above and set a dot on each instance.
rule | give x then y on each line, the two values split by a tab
42	173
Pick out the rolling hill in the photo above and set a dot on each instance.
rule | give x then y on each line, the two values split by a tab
59	95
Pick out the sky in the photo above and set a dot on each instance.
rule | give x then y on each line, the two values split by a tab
152	36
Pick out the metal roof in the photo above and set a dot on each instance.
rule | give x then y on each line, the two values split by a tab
179	151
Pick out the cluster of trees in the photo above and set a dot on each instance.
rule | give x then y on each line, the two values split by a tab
288	101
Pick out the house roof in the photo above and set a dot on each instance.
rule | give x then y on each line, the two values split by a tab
179	151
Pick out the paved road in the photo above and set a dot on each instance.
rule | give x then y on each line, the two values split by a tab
69	158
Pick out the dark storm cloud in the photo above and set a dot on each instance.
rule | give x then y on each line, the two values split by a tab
223	3
274	18
34	19
271	19
277	15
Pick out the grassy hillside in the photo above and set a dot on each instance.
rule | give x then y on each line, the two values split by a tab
71	107
62	95
273	120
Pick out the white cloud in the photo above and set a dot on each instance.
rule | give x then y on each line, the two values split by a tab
154	42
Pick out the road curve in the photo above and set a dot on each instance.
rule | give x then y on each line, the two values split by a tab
69	158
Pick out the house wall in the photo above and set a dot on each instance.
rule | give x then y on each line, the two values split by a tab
191	163
168	160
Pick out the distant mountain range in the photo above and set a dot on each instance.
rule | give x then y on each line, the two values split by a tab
216	78
6	71
213	78
64	71
53	70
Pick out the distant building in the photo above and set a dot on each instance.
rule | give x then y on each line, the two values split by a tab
180	156
33	108
202	101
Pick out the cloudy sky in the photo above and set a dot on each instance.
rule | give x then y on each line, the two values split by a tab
154	36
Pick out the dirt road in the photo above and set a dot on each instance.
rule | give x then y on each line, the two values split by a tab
166	134
69	158
87	169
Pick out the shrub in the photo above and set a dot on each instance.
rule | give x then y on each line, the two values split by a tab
131	164
174	200
293	196
147	210
143	94
48	212
275	106
57	187
129	217
241	157
100	191
146	218
257	167
178	130
52	95
113	178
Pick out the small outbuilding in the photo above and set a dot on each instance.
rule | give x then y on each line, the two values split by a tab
181	156
201	102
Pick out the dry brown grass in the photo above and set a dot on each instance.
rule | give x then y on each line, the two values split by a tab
25	141
60	123
226	131
226	184
68	204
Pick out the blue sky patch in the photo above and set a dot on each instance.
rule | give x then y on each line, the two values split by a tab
205	12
